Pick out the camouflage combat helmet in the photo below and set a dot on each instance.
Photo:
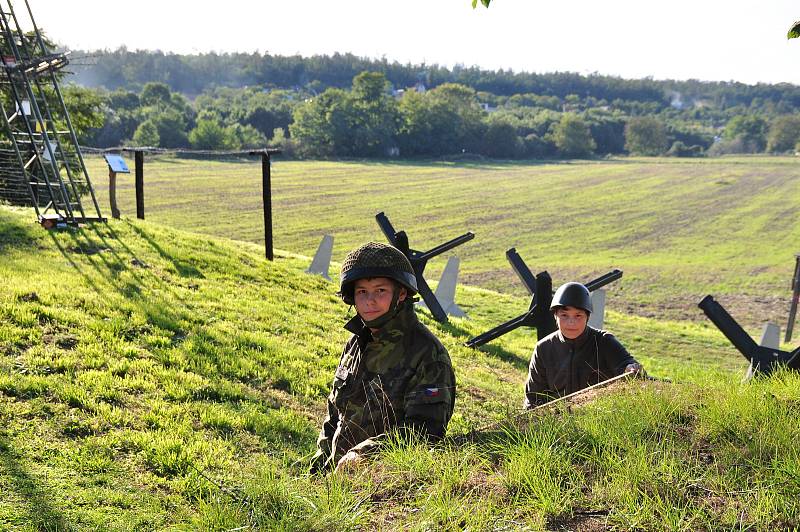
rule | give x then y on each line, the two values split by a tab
374	259
572	295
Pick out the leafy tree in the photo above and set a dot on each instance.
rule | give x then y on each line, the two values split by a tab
171	127
85	107
645	135
246	136
444	120
210	135
459	117
534	100
169	112
538	147
320	123
607	129
146	134
751	130
122	99
252	106
784	133
501	140
572	137
156	94
373	118
416	133
679	149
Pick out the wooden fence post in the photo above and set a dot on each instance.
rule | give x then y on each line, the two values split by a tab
266	197
266	187
795	299
112	193
139	163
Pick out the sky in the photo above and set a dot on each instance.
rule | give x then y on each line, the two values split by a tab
682	39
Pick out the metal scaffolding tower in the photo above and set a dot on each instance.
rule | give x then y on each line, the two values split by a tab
40	155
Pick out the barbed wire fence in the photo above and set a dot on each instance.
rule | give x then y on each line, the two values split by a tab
221	193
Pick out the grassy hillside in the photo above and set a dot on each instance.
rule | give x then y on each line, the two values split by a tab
156	379
678	228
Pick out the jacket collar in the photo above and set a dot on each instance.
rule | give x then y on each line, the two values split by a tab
403	319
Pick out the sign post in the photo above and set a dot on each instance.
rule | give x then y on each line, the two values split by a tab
116	165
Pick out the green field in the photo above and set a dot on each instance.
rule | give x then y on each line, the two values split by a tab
159	375
679	229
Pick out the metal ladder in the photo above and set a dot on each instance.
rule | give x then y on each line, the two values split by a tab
41	148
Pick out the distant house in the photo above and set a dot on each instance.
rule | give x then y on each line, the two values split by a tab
419	87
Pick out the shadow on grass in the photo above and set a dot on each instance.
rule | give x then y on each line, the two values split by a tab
146	291
496	351
38	502
506	356
16	234
117	268
184	270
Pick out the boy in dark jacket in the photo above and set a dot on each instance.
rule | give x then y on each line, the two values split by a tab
575	356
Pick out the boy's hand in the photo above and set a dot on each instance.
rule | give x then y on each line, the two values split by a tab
636	369
350	462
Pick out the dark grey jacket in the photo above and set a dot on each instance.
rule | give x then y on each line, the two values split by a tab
560	366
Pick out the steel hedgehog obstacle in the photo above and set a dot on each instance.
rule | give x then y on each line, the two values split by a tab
420	259
762	359
40	160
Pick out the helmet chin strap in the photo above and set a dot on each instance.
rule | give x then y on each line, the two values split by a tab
394	310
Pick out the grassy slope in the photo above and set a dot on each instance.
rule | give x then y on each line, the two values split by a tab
152	378
678	228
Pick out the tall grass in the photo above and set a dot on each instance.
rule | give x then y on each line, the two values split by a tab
156	379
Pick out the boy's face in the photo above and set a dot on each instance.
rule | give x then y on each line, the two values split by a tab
373	297
571	321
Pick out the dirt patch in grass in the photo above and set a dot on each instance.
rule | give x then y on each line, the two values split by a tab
750	311
581	520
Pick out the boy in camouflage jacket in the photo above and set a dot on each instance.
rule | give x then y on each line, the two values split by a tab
393	373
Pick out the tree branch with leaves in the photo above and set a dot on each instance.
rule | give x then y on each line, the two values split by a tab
794	31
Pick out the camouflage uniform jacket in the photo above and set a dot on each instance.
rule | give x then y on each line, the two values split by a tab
560	366
400	378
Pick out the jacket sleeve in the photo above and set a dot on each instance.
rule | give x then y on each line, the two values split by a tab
328	429
537	391
430	396
617	357
325	438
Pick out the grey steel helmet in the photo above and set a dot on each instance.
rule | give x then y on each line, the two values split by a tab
374	259
572	295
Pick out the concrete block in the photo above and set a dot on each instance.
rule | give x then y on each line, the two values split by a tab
446	289
599	305
771	336
322	258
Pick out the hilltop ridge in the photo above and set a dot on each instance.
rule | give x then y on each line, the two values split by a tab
155	378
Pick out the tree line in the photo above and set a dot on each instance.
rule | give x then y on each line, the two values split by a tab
193	74
306	108
370	119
